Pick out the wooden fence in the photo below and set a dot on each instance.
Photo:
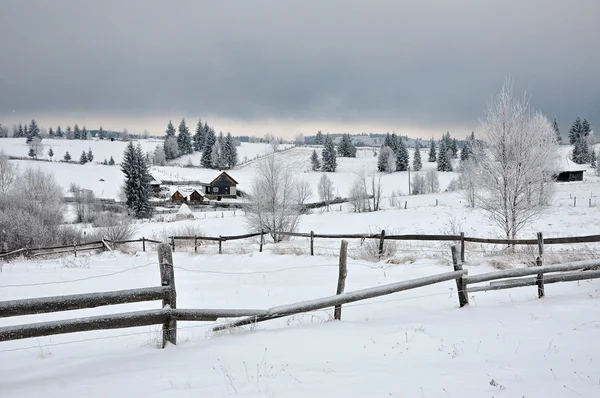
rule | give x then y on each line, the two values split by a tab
169	314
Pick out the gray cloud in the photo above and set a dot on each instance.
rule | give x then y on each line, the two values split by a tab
432	63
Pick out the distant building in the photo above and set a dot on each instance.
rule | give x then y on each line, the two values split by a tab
569	171
224	186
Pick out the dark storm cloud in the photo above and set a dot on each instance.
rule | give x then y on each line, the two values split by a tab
433	62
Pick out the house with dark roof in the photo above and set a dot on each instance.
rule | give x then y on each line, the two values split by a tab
224	186
569	171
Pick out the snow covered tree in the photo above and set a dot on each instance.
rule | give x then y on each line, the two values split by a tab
417	164
467	149
444	160
230	151
432	154
31	153
593	158
32	132
199	137
8	174
209	141
586	129
50	153
137	181
59	132
402	158
454	148
90	155
556	131
346	148
20	132
319	139
171	148
432	182
67	157
84	133
160	158
111	161
576	131
325	189
76	132
69	133
36	148
101	133
83	158
515	161
170	131
51	133
217	155
272	199
184	139
314	161
581	151
328	155
386	161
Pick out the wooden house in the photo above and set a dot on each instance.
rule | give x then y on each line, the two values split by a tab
177	197
224	186
569	171
155	187
195	197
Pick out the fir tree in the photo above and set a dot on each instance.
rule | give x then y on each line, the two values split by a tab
20	132
209	141
171	148
101	133
314	161
199	137
33	132
593	158
556	131
586	129
170	130
84	133
111	161
467	149
432	154
402	158
25	131
51	132
90	155
31	153
216	155
184	139
454	148
69	133
328	155
76	132
59	132
137	180
417	164
346	148
230	152
67	157
576	131
319	138
444	160
385	159
50	153
83	158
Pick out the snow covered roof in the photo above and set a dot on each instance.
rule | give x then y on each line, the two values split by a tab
566	164
184	210
185	191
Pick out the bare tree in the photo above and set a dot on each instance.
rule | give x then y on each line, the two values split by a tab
432	182
299	139
8	174
358	196
418	184
274	144
303	192
376	192
325	190
467	181
272	204
515	161
159	158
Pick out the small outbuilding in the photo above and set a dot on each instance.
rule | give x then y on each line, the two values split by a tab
569	171
195	197
224	186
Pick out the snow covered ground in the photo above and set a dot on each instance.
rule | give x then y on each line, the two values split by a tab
410	344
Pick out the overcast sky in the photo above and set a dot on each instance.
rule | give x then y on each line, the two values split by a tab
418	68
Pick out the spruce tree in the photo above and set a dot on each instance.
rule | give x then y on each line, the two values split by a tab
170	130
386	155
314	161
417	164
101	133
319	138
59	132
593	158
329	155
137	180
586	129
209	141
467	149
111	161
83	158
199	137
576	131
184	140
556	131
432	155
76	132
217	154
51	132
20	132
350	148
402	158
454	148
31	153
444	161
90	155
230	151
32	132
67	157
395	143
50	153
84	133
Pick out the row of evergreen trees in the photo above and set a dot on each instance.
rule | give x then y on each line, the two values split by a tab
217	152
328	155
30	131
580	136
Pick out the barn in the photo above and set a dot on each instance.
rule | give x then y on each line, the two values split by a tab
224	186
569	171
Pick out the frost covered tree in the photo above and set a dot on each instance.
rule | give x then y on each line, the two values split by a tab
90	155
515	161
432	182
444	160
32	132
454	148
137	181
76	132
319	139
303	192
328	155
467	181
314	161
171	148
101	133
467	149
359	195
170	131
36	148
417	164
217	155
325	189
272	199
59	132
51	133
556	131
199	137
184	139
83	158
299	139
84	133
385	160
418	184
8	174
160	158
67	157
230	152
346	148
50	153
209	140
402	158
111	161
432	154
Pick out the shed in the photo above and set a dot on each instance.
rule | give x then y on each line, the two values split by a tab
569	171
195	197
177	197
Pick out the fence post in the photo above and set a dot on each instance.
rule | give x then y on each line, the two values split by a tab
381	239
262	239
195	243
462	247
405	204
173	243
540	262
337	314
312	240
220	244
590	202
143	243
167	276
463	298
574	201
75	249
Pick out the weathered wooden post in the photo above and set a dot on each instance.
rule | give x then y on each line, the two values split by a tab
462	247
405	204
262	239
540	262
590	202
167	277
312	241
337	313
143	244
436	202
574	201
381	240
173	243
220	244
463	298
195	243
75	249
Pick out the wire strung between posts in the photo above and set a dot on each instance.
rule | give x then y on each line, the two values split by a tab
80	279
254	272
